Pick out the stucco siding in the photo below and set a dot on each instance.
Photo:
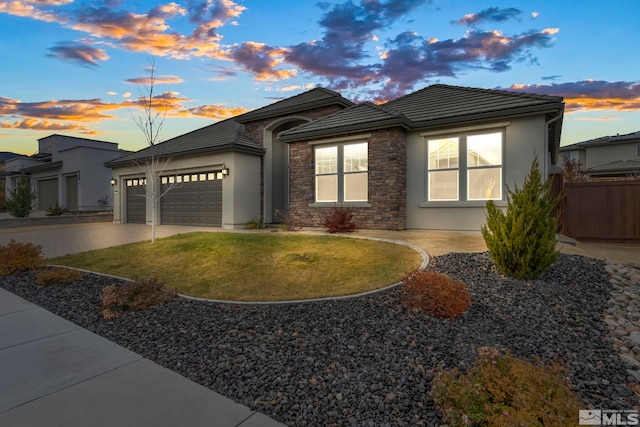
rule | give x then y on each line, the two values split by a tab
600	155
524	139
240	190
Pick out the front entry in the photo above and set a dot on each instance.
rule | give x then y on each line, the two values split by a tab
278	156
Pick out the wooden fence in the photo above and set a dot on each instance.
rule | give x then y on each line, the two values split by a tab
605	211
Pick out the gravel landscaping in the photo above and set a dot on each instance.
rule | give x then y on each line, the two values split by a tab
365	361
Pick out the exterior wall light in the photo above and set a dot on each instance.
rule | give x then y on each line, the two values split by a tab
113	182
225	171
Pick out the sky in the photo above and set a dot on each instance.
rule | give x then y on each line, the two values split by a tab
80	68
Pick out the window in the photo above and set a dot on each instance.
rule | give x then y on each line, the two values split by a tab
342	173
465	167
638	150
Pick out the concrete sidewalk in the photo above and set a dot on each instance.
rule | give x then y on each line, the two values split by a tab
55	373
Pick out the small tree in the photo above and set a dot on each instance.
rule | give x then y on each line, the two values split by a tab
150	123
522	241
19	203
572	170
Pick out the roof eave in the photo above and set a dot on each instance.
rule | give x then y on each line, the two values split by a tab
479	117
42	166
252	116
227	147
358	127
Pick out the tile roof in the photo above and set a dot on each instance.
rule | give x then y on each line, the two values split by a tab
220	136
446	104
435	105
619	166
604	140
314	98
366	116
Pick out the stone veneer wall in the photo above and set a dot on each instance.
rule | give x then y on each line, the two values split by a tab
387	183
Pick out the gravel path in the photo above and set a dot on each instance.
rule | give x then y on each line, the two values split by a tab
365	361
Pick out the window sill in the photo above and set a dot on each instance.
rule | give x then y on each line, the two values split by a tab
340	205
464	204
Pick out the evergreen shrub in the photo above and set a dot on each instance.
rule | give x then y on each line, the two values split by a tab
19	202
522	240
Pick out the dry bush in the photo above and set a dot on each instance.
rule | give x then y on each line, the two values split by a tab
134	296
505	391
436	294
289	218
339	220
16	257
57	276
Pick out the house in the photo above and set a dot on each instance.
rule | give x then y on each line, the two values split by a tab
68	172
427	160
615	156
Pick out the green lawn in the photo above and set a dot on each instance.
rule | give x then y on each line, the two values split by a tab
255	267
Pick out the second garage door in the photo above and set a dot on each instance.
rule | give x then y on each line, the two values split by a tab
195	199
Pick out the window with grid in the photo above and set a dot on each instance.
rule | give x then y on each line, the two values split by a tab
465	167
342	173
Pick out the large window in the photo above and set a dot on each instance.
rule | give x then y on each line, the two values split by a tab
465	167
342	173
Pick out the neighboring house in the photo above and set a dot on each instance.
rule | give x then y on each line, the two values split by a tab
4	156
68	172
427	160
615	156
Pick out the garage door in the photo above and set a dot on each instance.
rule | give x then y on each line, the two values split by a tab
136	201
47	193
195	199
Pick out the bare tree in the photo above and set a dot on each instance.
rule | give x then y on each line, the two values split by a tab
150	122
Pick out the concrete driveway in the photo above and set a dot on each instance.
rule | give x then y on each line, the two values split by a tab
57	240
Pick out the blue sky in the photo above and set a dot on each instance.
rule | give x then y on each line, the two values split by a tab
78	68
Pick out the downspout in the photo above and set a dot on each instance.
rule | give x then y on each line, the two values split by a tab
547	160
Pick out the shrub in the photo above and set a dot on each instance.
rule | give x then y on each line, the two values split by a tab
505	391
255	224
289	219
436	294
19	201
339	220
522	241
56	210
16	257
134	296
572	170
57	276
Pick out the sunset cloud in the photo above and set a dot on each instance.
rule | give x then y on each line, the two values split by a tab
78	53
590	94
218	112
348	27
34	124
411	58
261	61
156	80
79	114
344	54
492	14
148	32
